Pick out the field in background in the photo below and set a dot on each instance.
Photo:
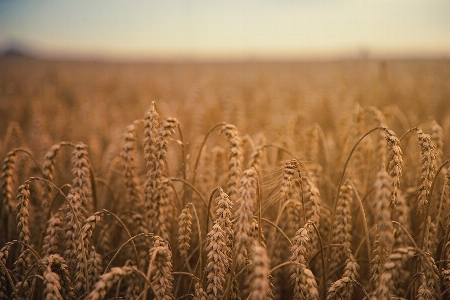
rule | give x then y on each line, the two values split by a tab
144	147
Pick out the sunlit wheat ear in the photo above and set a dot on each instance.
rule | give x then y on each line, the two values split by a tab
94	267
359	164
20	270
151	127
428	169
133	191
83	252
395	262
431	281
402	214
305	285
224	219
161	269
216	263
344	287
4	254
6	181
438	137
288	192
314	201
52	286
23	199
81	176
259	277
382	212
164	210
23	262
430	244
244	214
380	120
160	207
258	155
199	294
107	280
235	158
59	267
342	227
395	162
73	213
446	256
184	231
48	169
53	234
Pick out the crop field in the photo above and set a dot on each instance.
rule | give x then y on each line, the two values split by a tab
214	180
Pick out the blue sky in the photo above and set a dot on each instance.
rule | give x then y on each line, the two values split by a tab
237	29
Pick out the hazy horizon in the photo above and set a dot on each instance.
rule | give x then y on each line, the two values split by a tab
250	30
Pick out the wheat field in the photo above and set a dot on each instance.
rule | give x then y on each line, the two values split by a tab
239	180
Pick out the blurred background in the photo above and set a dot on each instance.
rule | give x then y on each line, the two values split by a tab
244	30
84	70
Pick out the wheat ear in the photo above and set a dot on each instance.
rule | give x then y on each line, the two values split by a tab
184	231
235	159
53	234
305	285
342	227
344	286
244	215
216	263
160	269
133	192
259	278
428	169
107	280
81	176
6	181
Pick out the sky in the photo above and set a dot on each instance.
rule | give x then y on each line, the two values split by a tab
244	29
